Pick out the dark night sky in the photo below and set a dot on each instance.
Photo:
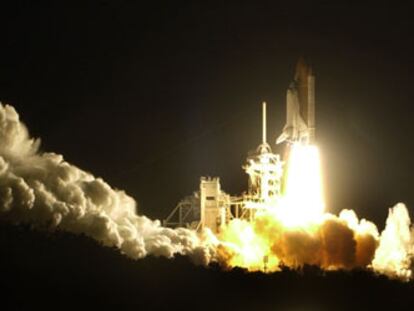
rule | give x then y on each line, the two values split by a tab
152	96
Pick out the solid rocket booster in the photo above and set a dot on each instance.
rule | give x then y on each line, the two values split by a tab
300	107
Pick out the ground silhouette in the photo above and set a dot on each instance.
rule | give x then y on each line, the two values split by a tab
60	270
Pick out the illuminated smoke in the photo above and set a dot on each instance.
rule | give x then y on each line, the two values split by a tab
396	249
336	242
341	242
44	190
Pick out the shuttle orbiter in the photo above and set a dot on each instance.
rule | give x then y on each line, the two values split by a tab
300	107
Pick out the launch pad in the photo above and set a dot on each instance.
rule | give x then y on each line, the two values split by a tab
211	207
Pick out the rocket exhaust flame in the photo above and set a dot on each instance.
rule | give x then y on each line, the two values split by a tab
302	201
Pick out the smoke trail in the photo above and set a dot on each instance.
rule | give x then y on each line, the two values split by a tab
44	190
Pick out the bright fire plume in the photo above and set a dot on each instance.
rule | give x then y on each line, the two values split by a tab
303	200
301	209
297	231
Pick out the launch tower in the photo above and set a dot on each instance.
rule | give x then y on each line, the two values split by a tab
212	208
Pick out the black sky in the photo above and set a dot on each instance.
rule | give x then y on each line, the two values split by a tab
151	96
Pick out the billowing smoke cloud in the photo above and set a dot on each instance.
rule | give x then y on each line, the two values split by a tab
333	243
45	190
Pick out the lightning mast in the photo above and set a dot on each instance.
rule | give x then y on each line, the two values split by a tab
265	170
264	138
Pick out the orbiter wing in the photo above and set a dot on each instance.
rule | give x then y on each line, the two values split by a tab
295	125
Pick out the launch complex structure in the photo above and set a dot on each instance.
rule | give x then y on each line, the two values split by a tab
212	208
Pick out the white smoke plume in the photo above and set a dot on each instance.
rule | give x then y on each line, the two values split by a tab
395	252
45	190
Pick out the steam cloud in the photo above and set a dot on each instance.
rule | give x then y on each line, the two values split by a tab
44	190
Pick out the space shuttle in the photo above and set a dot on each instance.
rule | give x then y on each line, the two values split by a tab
300	107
